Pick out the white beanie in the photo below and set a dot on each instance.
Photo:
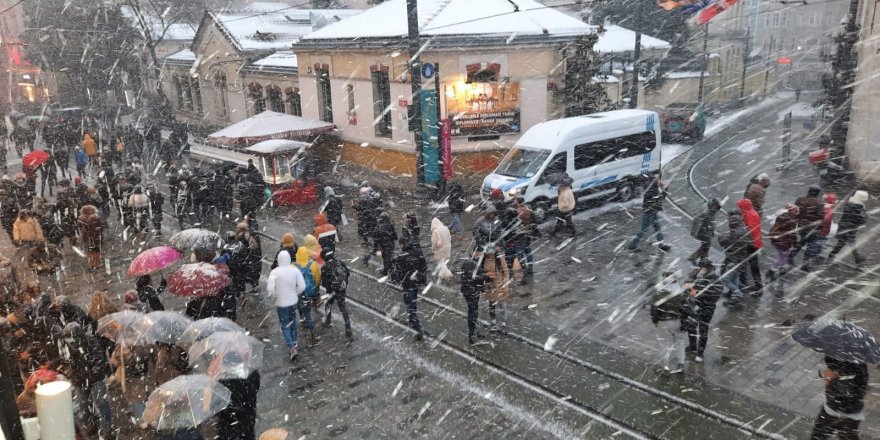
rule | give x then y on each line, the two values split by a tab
860	197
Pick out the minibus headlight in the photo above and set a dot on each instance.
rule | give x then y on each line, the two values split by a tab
513	192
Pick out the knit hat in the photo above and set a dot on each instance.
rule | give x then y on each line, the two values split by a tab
860	197
814	191
287	240
328	191
830	198
792	209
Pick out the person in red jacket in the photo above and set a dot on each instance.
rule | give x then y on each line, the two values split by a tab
752	220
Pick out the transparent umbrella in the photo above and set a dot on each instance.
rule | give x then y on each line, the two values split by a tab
195	238
162	326
120	327
203	328
226	355
185	402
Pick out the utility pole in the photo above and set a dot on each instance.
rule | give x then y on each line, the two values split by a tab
637	53
745	61
705	65
415	77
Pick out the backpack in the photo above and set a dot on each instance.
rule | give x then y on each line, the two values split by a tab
311	288
340	276
666	306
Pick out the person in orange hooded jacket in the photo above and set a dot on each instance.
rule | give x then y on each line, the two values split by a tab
325	232
752	220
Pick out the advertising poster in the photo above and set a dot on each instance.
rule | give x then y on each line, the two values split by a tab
483	108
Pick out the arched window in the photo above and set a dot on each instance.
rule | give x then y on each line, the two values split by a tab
256	93
276	98
294	104
221	89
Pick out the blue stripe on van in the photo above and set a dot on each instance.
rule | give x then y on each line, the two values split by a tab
649	126
646	162
516	182
603	181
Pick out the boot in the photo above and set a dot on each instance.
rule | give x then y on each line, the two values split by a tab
327	322
314	340
348	334
771	275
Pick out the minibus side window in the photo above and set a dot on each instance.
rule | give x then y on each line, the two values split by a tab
587	155
634	145
557	165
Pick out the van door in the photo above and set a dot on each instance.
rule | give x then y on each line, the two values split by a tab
633	155
557	164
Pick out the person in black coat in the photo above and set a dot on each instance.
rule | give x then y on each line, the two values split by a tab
384	238
149	294
411	229
239	419
410	270
737	249
456	207
851	221
87	365
333	208
846	384
473	281
704	291
703	229
652	204
157	201
334	278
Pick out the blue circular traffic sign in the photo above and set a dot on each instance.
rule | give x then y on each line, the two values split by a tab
428	70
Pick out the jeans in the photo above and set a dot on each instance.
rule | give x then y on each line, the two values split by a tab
827	425
674	340
456	223
305	312
498	309
473	314
287	319
649	219
410	298
732	282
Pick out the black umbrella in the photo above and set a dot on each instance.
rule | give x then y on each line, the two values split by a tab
559	179
840	340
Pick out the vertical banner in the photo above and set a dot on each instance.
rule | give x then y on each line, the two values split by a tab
430	137
446	148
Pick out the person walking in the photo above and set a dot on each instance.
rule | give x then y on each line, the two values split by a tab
91	229
752	221
333	209
26	231
82	161
367	208
384	238
756	192
703	229
139	204
325	232
456	207
253	255
61	154
286	284
238	420
157	202
522	246
411	232
87	367
441	247
566	205
410	270
90	147
652	204
473	282
703	291
810	218
783	236
666	306
334	278
827	221
853	219
8	212
311	274
288	245
846	384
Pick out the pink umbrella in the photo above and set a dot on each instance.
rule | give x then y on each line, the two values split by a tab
153	260
198	280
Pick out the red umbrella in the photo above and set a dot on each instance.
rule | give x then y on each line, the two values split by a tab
153	260
198	280
35	158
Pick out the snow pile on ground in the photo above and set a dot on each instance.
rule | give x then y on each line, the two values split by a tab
670	151
724	121
748	146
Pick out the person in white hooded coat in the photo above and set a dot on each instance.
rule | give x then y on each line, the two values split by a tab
286	283
441	245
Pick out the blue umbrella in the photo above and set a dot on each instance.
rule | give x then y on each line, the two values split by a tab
840	340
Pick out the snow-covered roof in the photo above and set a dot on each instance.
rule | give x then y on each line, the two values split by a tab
455	17
180	32
681	75
265	6
277	146
185	56
275	30
620	39
277	60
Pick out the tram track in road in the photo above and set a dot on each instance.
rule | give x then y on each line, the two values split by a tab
609	398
